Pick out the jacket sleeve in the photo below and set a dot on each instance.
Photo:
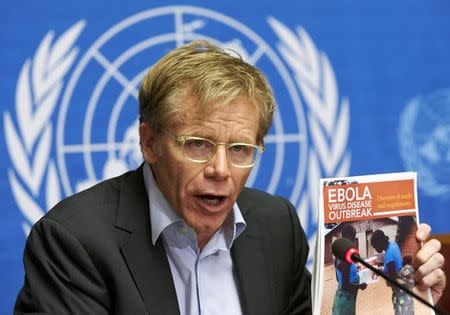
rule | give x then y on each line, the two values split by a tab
300	300
60	277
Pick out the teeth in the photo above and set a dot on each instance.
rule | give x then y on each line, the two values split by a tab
211	200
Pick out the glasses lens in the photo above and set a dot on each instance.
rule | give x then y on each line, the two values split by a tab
242	154
198	149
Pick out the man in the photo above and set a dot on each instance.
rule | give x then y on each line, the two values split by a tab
180	235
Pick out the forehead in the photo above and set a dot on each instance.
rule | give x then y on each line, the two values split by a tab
238	119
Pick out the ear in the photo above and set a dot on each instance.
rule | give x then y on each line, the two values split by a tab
148	142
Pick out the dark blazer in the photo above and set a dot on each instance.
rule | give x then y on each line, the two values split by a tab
92	254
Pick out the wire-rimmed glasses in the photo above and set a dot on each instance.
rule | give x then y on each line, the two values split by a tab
201	150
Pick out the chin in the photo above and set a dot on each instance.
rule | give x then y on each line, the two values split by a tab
207	224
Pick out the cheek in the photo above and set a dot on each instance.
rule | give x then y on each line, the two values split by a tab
188	179
240	179
171	170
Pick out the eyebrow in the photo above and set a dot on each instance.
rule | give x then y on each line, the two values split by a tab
209	137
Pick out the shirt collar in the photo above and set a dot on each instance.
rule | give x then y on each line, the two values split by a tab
162	215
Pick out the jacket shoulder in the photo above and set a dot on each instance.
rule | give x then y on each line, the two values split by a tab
98	202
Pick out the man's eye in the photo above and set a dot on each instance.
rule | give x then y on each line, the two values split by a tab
241	149
238	148
198	144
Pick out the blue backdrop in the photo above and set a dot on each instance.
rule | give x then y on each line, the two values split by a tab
361	89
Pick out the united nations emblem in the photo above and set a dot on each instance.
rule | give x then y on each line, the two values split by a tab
76	124
424	138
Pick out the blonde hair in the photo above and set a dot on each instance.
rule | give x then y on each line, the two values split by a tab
203	75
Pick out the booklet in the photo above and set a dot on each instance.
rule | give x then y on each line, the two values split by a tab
379	214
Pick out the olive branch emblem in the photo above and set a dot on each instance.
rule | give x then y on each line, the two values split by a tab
328	117
29	136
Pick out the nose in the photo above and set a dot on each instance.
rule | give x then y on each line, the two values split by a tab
218	167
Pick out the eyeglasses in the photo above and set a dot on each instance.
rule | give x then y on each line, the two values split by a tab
201	150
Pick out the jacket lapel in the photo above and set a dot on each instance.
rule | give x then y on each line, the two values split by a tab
251	263
148	264
150	268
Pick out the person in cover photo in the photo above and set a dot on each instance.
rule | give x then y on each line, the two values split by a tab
393	264
348	280
406	277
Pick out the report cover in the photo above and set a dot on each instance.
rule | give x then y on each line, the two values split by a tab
379	214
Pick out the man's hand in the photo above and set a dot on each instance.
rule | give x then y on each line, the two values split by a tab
428	263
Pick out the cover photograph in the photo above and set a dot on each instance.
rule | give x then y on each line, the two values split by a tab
379	215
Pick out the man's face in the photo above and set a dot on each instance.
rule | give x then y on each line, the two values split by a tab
202	193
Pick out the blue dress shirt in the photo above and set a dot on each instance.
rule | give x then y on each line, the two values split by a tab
205	281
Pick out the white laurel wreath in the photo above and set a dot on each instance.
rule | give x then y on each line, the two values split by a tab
29	138
328	118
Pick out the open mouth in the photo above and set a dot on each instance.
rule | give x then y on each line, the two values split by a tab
211	200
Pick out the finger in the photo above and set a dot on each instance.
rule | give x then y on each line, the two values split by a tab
426	252
434	280
428	249
431	279
423	232
435	262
